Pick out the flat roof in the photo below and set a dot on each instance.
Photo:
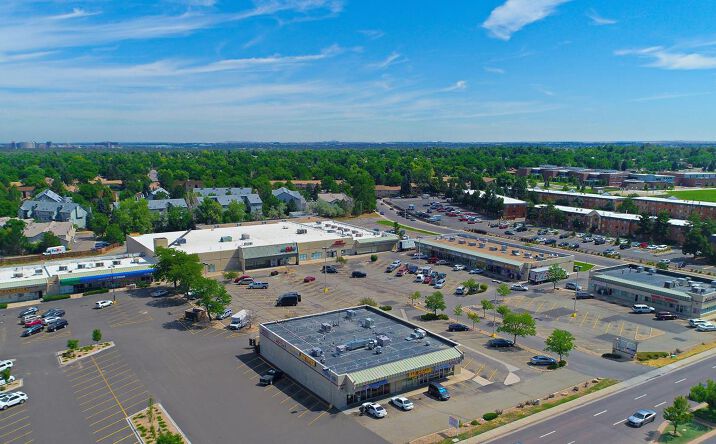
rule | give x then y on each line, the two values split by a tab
576	194
305	334
612	214
284	232
655	279
677	201
506	199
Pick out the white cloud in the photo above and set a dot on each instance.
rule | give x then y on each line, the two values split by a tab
76	13
513	15
599	20
668	96
494	70
373	34
669	59
393	58
457	86
543	90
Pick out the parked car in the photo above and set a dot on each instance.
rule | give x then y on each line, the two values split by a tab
329	269
442	262
624	246
259	284
28	311
106	303
706	326
641	417
460	290
50	319
476	271
695	322
358	274
28	318
10	380
563	244
225	314
542	360
665	316
641	308
241	278
509	232
574	245
158	293
458	267
550	242
60	323
309	279
32	330
573	286
564	235
437	391
427	280
37	321
665	261
246	281
583	295
519	287
373	409
400	273
270	377
419	278
500	343
5	364
54	312
11	399
288	299
101	244
402	403
440	283
458	327
420	256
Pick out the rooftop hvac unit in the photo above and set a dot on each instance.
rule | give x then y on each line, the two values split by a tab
226	239
326	327
368	323
378	350
341	348
371	344
471	244
350	314
356	344
181	241
668	284
681	281
301	231
116	262
81	266
713	284
99	264
419	332
248	244
383	340
62	268
135	260
38	271
316	352
359	235
245	236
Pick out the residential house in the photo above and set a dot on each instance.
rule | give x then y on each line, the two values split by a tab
49	206
158	194
224	196
334	198
34	231
288	196
163	205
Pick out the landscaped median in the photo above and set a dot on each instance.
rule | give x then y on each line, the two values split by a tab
660	359
154	425
390	223
74	352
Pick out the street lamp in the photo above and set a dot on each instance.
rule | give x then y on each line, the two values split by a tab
574	311
325	270
114	285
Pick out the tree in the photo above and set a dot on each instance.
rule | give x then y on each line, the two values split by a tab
396	227
49	239
414	297
628	206
435	302
98	223
486	305
211	295
503	310
133	216
5	374
556	273
678	413
518	324
235	212
362	190
177	267
114	234
661	226
12	237
646	225
208	212
457	311
169	438
704	393
503	290
471	285
178	219
560	342
96	335
474	317
73	344
368	301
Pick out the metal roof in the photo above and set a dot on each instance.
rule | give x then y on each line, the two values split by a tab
406	365
469	252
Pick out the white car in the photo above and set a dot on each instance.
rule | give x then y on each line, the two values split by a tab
5	364
373	409
706	326
103	303
695	322
158	293
476	271
11	399
419	278
652	247
519	287
458	267
10	380
665	261
50	319
402	403
396	262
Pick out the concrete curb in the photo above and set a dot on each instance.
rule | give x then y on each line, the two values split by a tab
94	352
587	399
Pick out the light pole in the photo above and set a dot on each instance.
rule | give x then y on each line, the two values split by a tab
114	285
325	270
494	315
574	311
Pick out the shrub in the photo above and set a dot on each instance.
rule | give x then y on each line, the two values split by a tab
95	291
373	257
231	275
647	356
489	416
143	284
73	344
386	307
368	301
96	335
553	366
3	306
474	422
57	297
434	317
483	286
562	363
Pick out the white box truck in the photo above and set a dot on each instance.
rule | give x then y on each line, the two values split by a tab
240	320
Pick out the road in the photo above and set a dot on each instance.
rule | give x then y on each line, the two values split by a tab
603	421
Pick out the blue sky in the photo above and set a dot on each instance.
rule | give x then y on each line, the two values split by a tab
357	70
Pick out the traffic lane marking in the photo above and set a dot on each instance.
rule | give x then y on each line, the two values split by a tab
599	413
660	404
620	422
680	380
639	397
547	434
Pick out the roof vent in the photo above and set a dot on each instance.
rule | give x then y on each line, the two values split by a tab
226	239
62	268
180	241
378	350
245	236
326	327
38	271
301	231
116	262
17	274
81	266
368	323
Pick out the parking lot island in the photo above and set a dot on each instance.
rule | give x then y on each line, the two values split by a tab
353	355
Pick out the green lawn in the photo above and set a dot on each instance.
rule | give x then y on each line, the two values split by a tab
687	433
705	195
389	223
585	265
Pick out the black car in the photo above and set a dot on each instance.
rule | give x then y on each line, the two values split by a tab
624	246
564	235
500	342
54	312
564	244
328	269
29	331
58	324
458	327
27	311
574	245
289	299
510	233
550	241
270	377
358	274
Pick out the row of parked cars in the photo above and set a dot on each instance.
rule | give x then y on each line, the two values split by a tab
8	400
33	322
435	390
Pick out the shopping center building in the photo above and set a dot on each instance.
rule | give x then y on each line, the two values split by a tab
250	246
353	355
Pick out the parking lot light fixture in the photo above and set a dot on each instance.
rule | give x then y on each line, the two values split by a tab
325	271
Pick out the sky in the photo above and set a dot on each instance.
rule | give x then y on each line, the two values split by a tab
357	70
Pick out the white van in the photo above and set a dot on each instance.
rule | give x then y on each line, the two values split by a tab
239	320
460	290
55	250
641	308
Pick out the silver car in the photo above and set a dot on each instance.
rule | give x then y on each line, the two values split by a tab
641	417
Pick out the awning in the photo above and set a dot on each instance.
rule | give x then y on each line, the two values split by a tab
451	355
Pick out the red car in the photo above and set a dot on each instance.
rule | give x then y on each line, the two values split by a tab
471	222
37	321
432	260
400	273
463	219
428	280
240	278
309	279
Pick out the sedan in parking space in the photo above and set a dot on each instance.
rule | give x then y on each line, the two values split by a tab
402	403
54	312
358	274
518	287
442	262
420	256
641	417
58	324
665	261
458	267
28	311
458	327
158	293
5	364
574	245
37	321
476	271
11	399
106	303
542	360
32	330
573	286
259	284
50	319
427	280
665	316
440	283
373	409
309	279
270	377
329	269
706	326
246	281
695	322
500	343
563	244
510	233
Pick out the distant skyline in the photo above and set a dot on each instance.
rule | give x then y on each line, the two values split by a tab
350	70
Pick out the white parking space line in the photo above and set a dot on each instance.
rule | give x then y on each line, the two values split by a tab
620	422
660	404
597	414
571	442
547	434
680	380
639	397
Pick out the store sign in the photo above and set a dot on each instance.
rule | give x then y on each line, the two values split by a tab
656	297
377	384
288	249
339	243
307	359
422	371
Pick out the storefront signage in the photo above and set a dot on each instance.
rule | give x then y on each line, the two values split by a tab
422	371
339	243
307	359
377	384
288	249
